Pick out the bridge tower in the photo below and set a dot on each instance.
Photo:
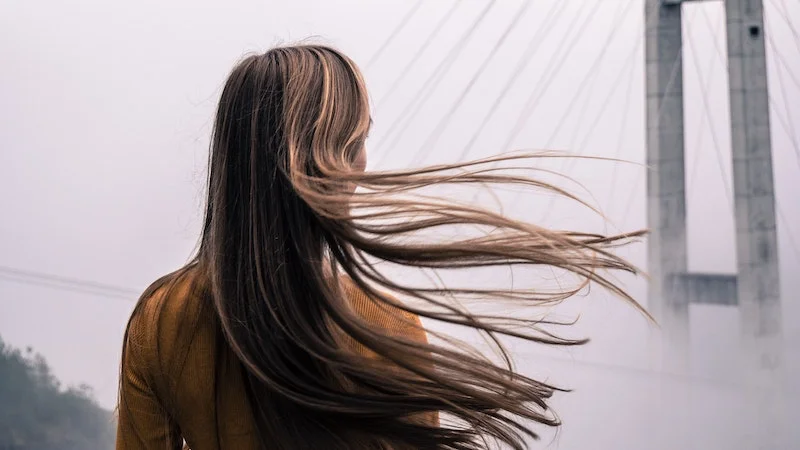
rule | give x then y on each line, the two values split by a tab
754	289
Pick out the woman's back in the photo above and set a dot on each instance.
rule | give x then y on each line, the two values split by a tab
181	381
255	344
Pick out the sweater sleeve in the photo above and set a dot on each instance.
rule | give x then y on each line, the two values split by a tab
143	422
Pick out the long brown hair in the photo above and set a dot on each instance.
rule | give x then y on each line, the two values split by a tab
283	216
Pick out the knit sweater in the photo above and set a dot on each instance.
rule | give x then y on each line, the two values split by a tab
178	388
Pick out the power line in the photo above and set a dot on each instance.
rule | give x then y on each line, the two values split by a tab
433	80
394	33
672	77
529	106
607	101
36	278
704	86
786	129
447	117
428	40
621	136
42	276
59	287
783	62
784	12
707	113
593	71
787	224
789	129
533	46
551	69
582	145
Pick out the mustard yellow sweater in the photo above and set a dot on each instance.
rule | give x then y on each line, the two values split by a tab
160	409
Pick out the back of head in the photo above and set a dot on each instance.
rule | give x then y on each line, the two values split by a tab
290	207
290	131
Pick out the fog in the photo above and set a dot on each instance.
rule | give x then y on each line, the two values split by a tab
105	114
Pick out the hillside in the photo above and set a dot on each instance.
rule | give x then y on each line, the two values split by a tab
36	412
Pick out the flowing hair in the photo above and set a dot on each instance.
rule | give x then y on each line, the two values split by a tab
289	211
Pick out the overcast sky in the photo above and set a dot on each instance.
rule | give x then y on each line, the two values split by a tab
105	113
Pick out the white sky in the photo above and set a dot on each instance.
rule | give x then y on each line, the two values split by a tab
105	112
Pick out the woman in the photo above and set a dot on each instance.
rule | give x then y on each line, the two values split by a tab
281	333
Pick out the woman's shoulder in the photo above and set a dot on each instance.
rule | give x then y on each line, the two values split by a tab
169	298
168	314
392	317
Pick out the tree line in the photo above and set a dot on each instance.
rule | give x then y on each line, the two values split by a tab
37	413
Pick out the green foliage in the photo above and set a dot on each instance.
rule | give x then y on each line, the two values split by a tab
37	413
